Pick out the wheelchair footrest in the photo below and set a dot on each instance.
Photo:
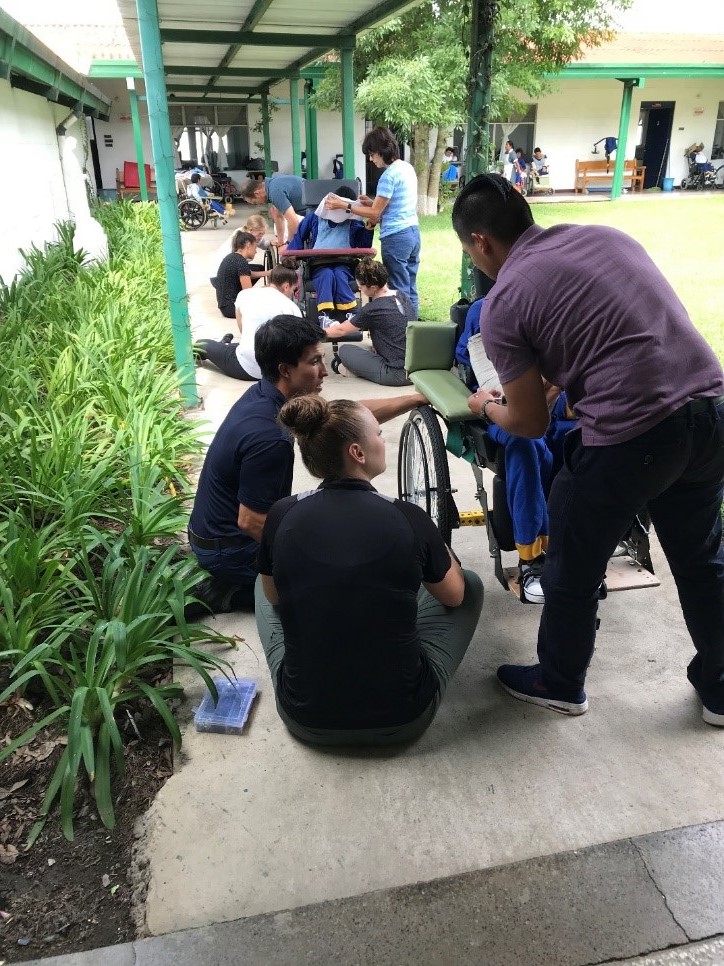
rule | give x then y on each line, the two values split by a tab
623	573
472	518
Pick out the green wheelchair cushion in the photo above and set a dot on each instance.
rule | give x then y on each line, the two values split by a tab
445	392
429	345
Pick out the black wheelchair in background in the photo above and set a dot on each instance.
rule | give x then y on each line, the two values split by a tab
447	425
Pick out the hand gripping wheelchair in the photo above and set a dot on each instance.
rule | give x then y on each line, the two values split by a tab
423	474
310	259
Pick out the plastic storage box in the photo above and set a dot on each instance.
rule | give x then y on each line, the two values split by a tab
229	715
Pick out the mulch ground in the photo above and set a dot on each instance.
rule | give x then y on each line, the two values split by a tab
62	897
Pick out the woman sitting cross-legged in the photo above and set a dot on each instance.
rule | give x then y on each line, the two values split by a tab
385	316
363	613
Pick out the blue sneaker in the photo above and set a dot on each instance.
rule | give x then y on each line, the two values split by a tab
712	712
526	684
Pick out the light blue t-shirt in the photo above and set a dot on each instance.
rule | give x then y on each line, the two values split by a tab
285	190
399	184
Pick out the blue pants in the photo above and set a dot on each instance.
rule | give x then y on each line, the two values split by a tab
528	464
334	290
677	470
401	258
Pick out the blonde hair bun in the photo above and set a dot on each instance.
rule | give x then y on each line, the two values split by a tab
304	415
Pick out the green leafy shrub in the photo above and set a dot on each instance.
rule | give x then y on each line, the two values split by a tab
94	456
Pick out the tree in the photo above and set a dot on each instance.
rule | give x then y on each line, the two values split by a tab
412	72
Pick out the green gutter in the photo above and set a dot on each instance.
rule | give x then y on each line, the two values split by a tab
22	56
114	69
634	71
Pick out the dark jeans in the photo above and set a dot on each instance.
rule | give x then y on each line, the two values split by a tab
401	258
223	356
677	470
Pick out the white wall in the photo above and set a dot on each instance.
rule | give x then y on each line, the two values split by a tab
121	130
581	112
45	177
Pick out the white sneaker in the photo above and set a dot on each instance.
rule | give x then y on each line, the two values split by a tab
325	320
530	585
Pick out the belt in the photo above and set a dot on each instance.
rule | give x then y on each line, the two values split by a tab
703	404
218	543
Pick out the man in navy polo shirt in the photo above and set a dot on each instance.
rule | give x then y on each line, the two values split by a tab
249	464
586	308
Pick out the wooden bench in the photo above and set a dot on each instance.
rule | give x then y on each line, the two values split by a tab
600	174
129	183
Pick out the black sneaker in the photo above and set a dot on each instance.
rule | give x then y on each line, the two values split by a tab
214	596
526	684
228	338
712	711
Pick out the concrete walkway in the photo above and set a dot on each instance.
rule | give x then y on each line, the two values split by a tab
259	823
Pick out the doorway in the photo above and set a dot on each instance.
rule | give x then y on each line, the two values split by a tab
656	120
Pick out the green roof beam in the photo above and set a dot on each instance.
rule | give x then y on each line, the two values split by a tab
636	71
24	58
206	89
251	39
207	71
114	69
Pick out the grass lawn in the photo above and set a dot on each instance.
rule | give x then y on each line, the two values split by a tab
683	235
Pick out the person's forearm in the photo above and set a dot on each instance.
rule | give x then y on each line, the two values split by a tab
384	409
508	419
280	225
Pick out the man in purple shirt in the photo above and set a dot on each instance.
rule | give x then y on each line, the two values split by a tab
585	308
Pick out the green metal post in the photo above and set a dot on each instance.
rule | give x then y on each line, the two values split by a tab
477	157
136	121
167	203
348	112
265	134
310	119
296	140
617	184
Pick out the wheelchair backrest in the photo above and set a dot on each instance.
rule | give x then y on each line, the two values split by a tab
430	345
314	191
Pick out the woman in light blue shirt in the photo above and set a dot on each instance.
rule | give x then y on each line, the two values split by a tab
394	207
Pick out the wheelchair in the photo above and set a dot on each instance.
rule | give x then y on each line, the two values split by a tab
423	475
194	214
312	194
699	177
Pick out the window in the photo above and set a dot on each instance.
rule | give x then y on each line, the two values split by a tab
519	128
717	150
192	123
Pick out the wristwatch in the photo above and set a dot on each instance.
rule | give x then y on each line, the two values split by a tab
348	209
483	414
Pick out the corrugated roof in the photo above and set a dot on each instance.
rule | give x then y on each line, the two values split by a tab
658	48
80	44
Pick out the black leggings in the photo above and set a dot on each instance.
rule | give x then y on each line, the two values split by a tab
223	356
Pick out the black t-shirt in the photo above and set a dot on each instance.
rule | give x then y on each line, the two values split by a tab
387	318
228	285
347	563
250	461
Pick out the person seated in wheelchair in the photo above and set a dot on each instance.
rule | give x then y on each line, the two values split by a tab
385	317
363	613
530	466
195	191
325	229
539	164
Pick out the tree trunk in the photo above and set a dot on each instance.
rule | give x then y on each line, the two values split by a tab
420	141
433	181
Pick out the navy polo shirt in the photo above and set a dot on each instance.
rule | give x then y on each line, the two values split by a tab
249	461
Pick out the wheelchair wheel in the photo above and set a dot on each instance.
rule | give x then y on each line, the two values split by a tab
423	476
192	214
